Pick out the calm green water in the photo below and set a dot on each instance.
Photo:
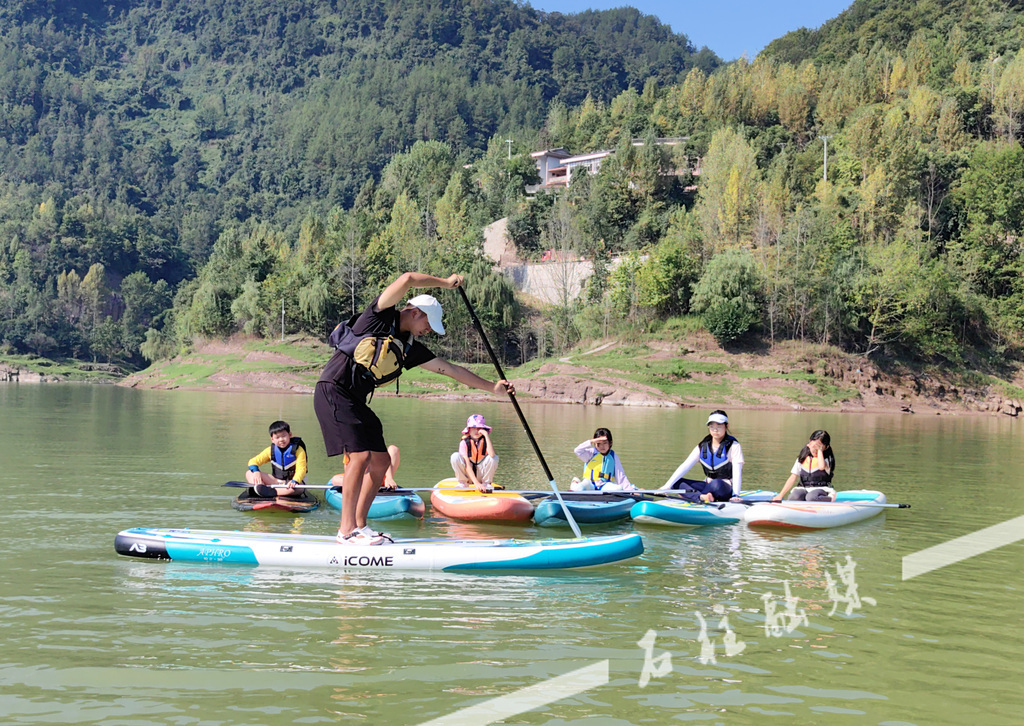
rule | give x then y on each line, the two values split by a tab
93	638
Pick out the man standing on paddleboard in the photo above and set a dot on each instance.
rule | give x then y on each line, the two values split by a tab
372	349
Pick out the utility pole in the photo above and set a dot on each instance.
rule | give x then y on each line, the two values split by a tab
992	77
824	174
509	142
282	319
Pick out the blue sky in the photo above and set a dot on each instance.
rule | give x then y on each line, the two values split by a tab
728	27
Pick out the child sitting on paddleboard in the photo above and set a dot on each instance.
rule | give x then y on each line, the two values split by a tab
287	458
813	469
389	476
602	468
720	455
475	462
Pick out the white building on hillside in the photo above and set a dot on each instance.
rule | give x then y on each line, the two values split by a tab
556	166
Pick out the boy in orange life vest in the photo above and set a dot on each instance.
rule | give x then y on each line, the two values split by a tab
475	462
287	458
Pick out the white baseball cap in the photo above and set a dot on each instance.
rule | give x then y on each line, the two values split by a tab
429	305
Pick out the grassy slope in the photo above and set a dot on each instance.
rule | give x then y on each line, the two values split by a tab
67	370
676	374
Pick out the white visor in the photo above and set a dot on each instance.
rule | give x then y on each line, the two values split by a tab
718	418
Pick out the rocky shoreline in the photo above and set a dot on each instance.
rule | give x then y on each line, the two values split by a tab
876	393
751	380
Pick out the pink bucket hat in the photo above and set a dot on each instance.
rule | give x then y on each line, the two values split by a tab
476	421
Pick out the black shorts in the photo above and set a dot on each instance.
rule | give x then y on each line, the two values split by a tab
348	426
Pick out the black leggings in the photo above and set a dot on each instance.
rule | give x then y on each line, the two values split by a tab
812	494
720	489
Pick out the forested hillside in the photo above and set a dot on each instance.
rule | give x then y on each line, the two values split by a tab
295	162
985	27
134	133
912	246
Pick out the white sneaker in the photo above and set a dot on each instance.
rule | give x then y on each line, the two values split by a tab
358	538
370	533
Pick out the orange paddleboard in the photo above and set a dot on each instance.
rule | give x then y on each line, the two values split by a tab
467	503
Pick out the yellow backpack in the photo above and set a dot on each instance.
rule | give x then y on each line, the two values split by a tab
378	358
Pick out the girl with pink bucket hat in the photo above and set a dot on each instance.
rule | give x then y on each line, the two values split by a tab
475	462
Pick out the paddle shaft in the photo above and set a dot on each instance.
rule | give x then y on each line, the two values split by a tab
501	375
245	484
519	412
633	493
521	492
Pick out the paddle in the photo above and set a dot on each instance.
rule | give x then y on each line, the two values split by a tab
245	484
519	412
633	493
525	493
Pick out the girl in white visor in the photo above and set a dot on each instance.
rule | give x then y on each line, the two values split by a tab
721	457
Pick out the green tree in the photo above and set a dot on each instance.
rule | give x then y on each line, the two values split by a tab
1009	98
458	238
403	244
420	173
673	266
991	213
248	311
144	302
729	178
94	294
729	296
158	345
624	288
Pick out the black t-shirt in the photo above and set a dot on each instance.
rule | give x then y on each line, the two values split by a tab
370	322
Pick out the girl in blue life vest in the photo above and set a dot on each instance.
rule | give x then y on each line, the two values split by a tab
813	469
475	462
721	457
602	468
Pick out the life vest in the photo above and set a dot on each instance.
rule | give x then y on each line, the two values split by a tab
716	463
600	468
377	358
476	448
282	461
816	471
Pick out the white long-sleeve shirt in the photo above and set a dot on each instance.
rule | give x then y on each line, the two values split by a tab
735	458
586	451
